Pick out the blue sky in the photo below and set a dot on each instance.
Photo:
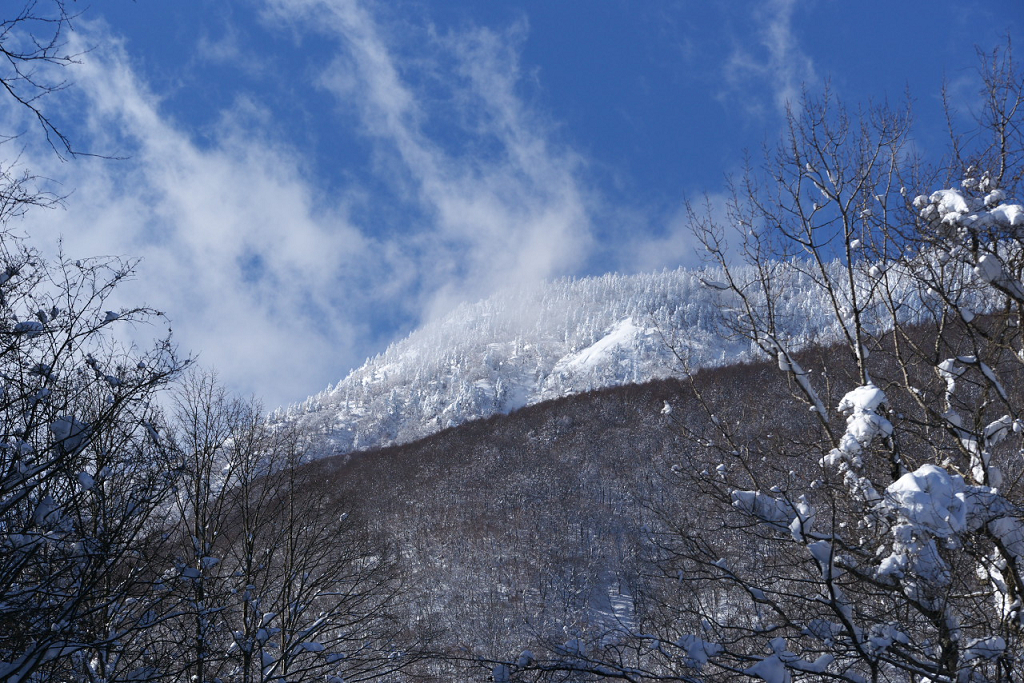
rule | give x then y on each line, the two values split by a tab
308	180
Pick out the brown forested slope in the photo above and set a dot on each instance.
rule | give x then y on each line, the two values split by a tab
537	523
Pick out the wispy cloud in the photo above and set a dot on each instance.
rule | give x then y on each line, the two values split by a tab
776	62
280	285
509	207
225	48
252	271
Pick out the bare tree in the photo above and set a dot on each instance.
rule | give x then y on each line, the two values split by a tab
270	580
81	475
883	542
33	54
33	57
864	518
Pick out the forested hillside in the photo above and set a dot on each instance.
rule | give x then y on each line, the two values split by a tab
567	529
554	340
524	531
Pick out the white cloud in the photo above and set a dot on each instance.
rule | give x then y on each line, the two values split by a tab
675	243
777	63
512	211
227	48
274	284
249	269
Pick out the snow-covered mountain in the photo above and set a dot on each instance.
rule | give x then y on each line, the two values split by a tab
523	346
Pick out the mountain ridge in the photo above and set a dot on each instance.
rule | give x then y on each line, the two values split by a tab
523	346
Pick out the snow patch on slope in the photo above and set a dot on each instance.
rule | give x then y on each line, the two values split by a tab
622	336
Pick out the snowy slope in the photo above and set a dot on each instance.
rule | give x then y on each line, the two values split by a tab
525	346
